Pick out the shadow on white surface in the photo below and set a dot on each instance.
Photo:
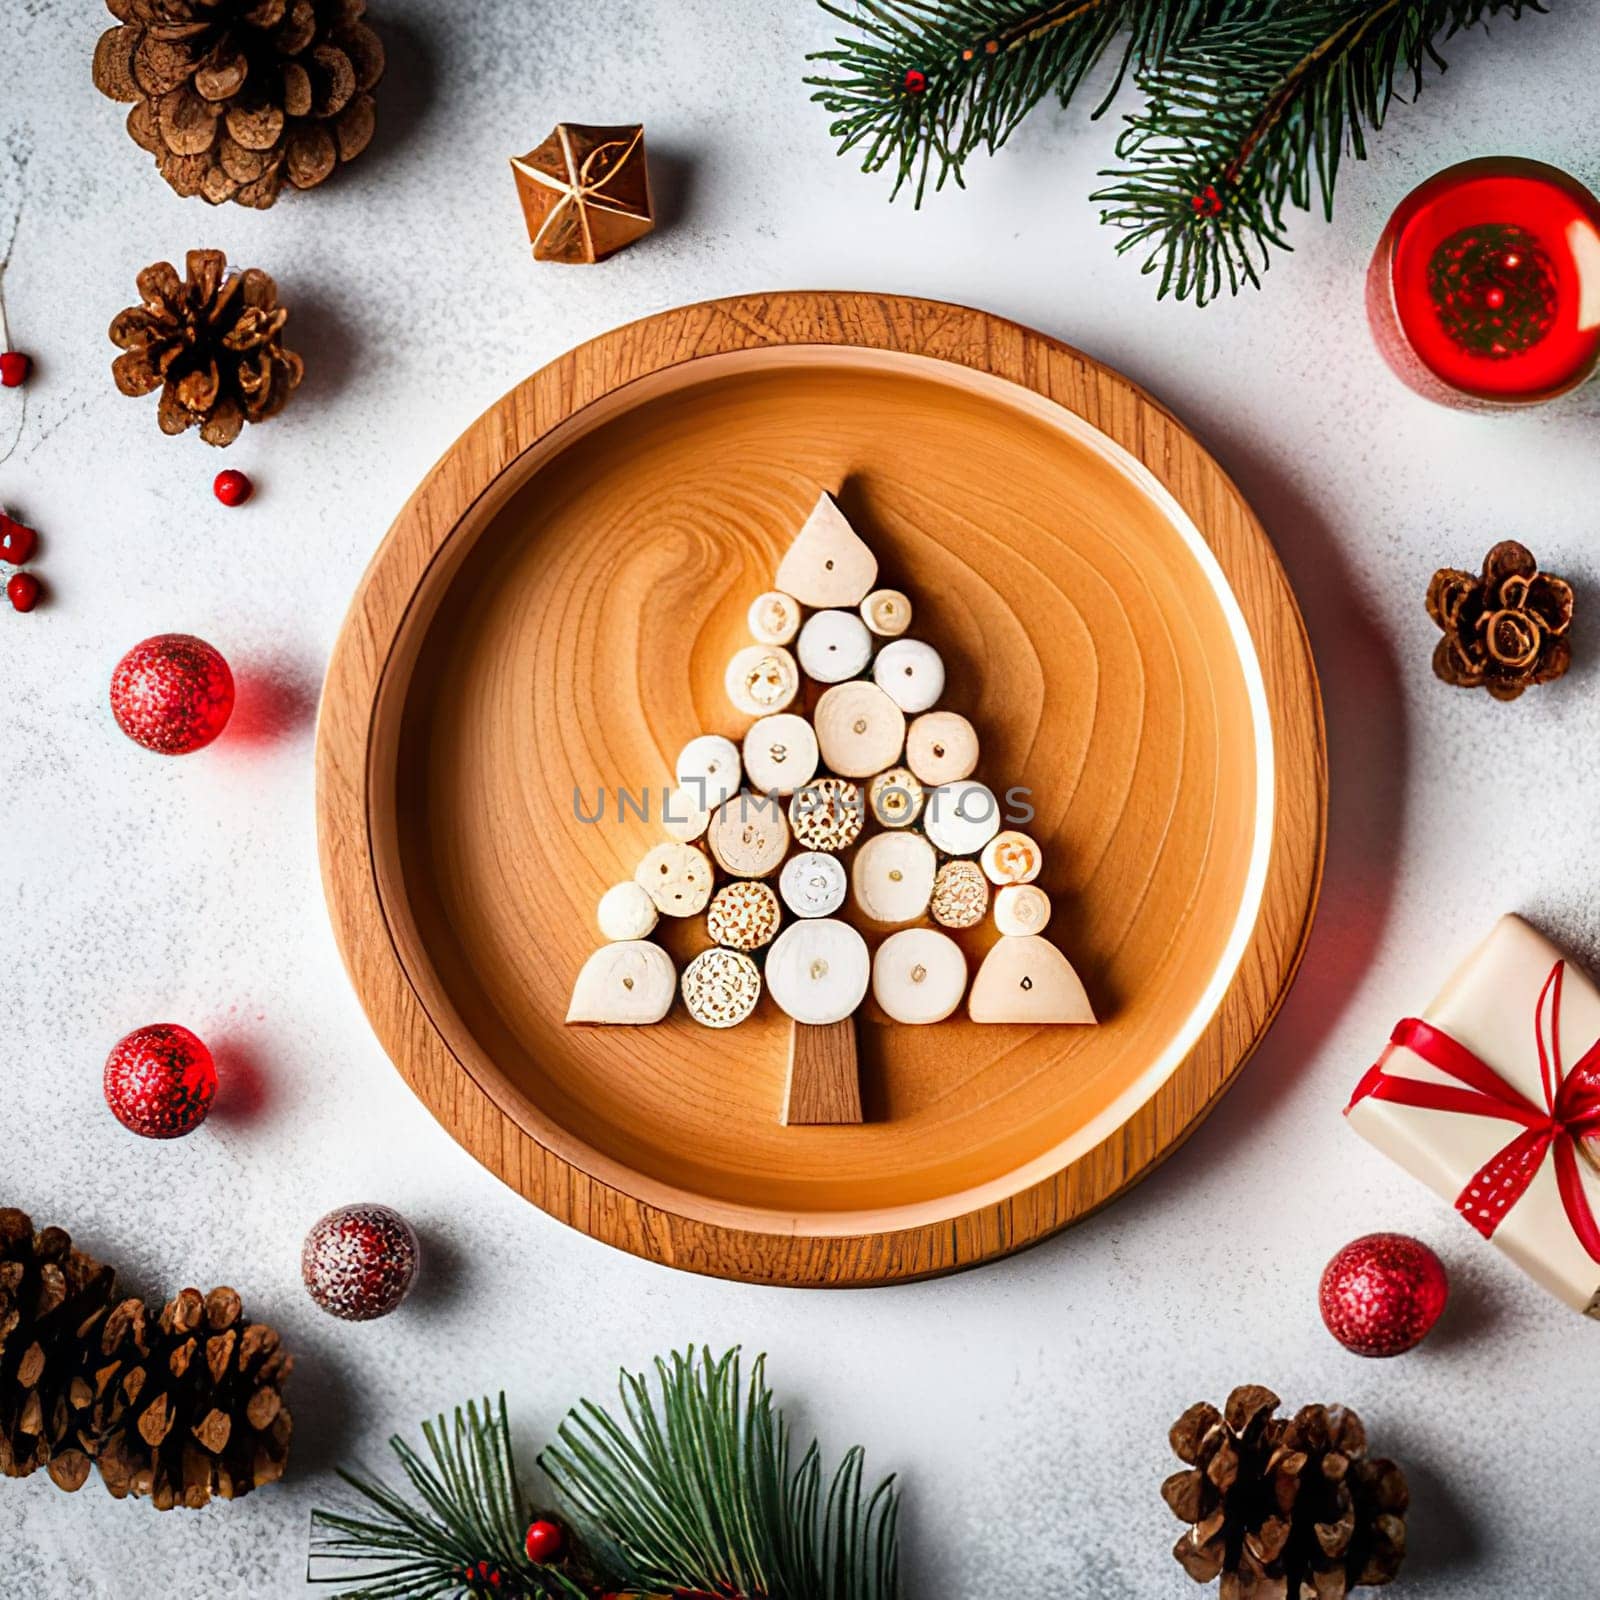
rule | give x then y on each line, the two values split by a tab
244	1084
275	698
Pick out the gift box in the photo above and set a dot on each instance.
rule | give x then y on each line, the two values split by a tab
1492	1098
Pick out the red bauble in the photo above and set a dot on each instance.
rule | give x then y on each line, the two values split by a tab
160	1081
22	590
232	488
1479	290
545	1540
1382	1294
359	1262
172	694
14	367
17	543
915	81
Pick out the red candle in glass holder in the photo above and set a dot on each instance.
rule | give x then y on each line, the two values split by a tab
1485	287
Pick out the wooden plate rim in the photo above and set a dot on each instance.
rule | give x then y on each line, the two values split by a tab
452	494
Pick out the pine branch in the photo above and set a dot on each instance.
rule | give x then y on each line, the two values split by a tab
693	1495
1249	112
696	1492
922	85
473	1519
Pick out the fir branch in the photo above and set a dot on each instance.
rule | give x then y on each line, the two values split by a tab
693	1495
922	85
473	1514
1251	110
697	1493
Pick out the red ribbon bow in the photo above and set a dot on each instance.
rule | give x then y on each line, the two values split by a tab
1571	1113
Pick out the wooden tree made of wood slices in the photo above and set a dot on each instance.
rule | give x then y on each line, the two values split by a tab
871	798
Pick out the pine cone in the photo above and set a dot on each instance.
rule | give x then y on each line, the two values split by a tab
52	1299
189	1406
1284	1508
1503	629
210	342
233	97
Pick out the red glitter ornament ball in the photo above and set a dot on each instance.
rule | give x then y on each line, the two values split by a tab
1382	1294
172	694
160	1081
359	1262
14	367
22	590
544	1541
232	488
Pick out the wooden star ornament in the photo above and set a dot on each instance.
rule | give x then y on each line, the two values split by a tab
585	192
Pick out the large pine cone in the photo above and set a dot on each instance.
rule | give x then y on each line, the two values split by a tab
1504	628
1284	1508
211	342
52	1299
235	97
189	1405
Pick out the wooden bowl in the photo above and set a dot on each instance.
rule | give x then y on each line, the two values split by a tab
551	615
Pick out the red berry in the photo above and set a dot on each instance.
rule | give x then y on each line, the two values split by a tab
359	1262
16	542
915	81
233	488
544	1541
172	694
14	369
1382	1294
159	1081
23	591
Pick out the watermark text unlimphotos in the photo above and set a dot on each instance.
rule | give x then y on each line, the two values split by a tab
970	802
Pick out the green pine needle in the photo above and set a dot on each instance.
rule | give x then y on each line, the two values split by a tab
692	1492
472	1509
1246	116
695	1492
984	65
1250	104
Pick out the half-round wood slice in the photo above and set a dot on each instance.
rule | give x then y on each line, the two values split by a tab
550	619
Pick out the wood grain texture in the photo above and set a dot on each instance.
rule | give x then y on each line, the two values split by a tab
553	610
824	1084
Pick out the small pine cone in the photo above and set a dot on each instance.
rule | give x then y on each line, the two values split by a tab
53	1298
211	342
190	1406
1283	1508
1504	628
235	97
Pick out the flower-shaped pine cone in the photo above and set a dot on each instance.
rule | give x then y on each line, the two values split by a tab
1504	628
1283	1507
210	342
234	98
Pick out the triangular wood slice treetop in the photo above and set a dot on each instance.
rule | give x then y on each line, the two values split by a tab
828	564
872	803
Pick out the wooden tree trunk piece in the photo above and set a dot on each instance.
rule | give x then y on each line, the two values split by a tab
824	1075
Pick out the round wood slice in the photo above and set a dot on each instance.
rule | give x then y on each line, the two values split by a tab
552	615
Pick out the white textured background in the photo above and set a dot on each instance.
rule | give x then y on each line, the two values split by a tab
1025	1405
